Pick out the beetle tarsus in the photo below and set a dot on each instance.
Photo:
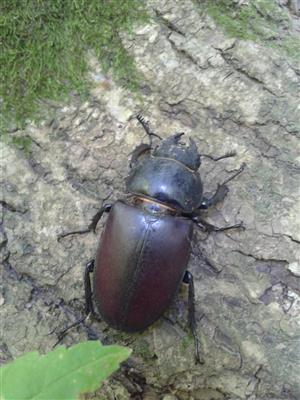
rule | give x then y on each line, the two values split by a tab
189	279
239	225
65	234
238	172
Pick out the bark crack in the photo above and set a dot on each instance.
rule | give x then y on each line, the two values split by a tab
11	207
242	70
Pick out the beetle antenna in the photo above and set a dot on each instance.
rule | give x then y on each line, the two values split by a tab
146	126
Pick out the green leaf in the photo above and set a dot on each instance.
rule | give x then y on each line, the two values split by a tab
62	374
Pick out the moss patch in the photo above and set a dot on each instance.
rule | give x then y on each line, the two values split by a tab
186	342
262	21
142	348
44	45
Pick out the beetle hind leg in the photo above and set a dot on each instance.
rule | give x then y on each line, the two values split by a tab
189	279
89	307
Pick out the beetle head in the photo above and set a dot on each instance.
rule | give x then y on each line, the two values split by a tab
173	148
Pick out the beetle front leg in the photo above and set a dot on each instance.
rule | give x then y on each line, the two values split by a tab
216	198
92	226
188	278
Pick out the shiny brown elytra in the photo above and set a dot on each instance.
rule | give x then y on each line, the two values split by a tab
140	263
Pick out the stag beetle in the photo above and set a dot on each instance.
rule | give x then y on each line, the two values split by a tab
144	250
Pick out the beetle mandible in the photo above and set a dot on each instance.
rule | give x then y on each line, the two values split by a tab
144	249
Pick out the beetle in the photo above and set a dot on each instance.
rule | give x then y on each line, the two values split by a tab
144	250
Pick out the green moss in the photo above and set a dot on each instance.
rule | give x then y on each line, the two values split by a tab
122	337
44	44
20	142
259	20
186	342
291	45
142	348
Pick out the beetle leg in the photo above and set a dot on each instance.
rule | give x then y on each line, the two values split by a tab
89	307
63	333
92	226
96	218
188	278
221	191
206	226
226	155
216	198
238	172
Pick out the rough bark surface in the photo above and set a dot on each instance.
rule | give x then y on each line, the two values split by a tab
228	95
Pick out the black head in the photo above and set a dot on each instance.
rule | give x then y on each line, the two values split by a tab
173	148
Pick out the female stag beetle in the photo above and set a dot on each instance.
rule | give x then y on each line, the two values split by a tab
144	250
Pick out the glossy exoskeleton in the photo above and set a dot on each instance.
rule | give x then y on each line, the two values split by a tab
144	249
